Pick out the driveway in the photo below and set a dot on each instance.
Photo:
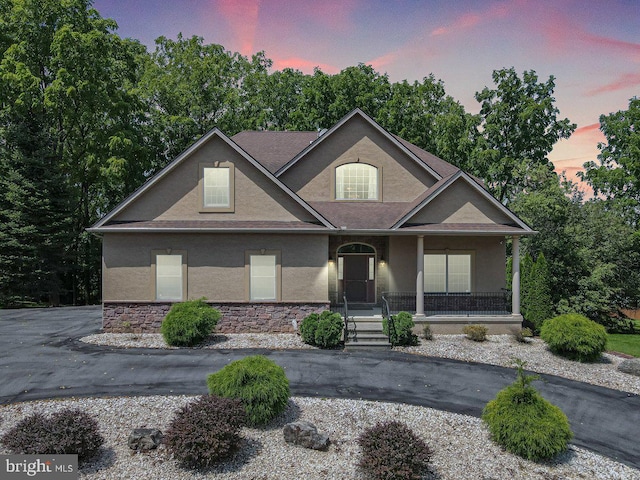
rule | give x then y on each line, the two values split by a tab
43	358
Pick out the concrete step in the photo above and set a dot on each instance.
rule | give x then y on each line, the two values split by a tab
367	346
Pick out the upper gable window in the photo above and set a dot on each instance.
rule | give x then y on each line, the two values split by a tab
356	181
216	188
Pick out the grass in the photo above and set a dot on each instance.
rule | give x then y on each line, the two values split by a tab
624	343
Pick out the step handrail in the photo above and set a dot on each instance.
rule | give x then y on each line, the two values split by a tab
386	314
346	319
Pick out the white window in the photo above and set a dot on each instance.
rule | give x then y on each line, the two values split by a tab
169	277
216	187
263	279
447	272
356	181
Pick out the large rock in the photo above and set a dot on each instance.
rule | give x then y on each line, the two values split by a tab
306	435
630	366
144	439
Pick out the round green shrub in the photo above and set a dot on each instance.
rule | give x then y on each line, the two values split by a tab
258	382
526	424
391	450
205	431
69	431
308	328
402	333
477	333
575	337
189	323
329	330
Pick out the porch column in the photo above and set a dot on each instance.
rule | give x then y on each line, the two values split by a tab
420	277
515	283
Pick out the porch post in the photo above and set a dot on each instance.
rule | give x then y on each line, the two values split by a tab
515	283
420	277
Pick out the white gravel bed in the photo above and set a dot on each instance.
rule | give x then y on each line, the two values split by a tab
461	445
496	350
274	341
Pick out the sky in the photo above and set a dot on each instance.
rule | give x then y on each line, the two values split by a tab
591	47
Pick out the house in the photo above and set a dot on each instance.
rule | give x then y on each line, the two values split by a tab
271	226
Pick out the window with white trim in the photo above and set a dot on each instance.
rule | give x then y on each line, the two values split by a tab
447	272
169	277
216	187
263	281
356	181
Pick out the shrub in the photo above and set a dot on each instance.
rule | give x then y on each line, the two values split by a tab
205	431
189	323
69	431
522	335
391	450
308	328
260	383
524	423
329	330
324	330
477	333
427	334
402	333
575	337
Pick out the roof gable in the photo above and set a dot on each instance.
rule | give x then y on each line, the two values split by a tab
359	113
459	201
173	195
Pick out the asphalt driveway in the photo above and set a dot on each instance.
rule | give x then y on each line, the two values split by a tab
41	357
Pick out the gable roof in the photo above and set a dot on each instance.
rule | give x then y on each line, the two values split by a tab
185	155
437	189
372	123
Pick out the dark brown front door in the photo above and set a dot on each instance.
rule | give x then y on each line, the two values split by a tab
358	286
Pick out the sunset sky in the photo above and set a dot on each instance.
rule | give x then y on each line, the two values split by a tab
591	47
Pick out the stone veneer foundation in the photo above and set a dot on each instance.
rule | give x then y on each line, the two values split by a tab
236	317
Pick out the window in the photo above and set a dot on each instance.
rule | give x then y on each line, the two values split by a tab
356	181
216	189
169	277
263	275
447	272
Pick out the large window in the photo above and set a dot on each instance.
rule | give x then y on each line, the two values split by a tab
447	272
217	187
356	181
264	276
169	277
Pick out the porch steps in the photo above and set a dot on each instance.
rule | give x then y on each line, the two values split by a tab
365	333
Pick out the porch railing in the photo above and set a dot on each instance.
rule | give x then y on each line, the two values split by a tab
478	303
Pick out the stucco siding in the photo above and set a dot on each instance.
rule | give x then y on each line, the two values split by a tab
460	203
401	179
176	196
215	265
488	260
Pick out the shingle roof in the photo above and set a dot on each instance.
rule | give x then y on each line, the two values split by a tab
361	215
475	228
273	149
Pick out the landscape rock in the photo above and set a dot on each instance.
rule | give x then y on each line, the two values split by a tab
144	439
306	435
630	366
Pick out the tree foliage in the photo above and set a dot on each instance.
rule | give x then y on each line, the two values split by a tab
520	125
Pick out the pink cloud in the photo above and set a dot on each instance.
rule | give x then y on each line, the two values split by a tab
304	65
242	18
471	19
627	80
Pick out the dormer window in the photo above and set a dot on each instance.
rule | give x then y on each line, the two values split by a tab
356	181
216	190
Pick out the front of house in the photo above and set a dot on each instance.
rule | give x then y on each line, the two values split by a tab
271	226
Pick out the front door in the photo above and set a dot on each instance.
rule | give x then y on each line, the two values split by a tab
359	278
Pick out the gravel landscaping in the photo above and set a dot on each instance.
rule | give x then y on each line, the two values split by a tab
461	444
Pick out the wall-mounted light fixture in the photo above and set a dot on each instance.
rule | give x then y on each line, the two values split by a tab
382	260
331	260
